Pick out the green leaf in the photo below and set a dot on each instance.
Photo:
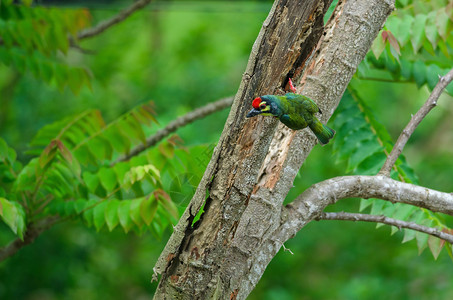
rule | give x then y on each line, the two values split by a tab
99	212
124	216
148	209
364	203
134	212
402	211
48	155
13	215
91	180
408	235
111	214
418	31
101	148
355	123
364	150
419	73
165	200
119	142
353	140
431	29
372	164
406	69
422	241
64	151
378	46
108	178
435	245
377	207
433	73
3	149
417	216
442	22
132	129
403	31
79	205
69	208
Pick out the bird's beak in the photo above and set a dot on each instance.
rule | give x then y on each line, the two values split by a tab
253	113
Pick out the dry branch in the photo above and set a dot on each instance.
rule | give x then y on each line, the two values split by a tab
188	118
430	103
385	220
312	202
121	16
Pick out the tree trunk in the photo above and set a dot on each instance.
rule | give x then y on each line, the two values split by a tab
224	253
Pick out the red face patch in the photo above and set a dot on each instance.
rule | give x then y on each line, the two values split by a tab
256	102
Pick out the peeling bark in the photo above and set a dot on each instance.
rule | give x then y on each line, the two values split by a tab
224	254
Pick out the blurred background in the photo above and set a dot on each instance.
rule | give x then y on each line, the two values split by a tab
182	55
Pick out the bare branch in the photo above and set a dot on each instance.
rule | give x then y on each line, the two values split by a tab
174	125
102	26
312	201
430	103
386	220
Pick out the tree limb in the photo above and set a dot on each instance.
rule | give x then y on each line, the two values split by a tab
430	103
385	220
102	26
174	125
348	36
312	201
287	38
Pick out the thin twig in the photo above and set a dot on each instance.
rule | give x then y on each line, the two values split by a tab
174	125
388	221
413	123
102	26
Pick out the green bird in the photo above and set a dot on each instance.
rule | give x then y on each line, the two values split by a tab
295	111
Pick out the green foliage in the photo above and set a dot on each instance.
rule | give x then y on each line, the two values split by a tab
13	215
74	175
363	142
71	161
415	46
415	43
31	38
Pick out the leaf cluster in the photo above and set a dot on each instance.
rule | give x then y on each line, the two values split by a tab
34	39
364	142
73	175
415	44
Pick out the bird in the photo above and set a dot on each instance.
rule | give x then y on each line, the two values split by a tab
295	111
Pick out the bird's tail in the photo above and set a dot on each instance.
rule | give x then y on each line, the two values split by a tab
322	132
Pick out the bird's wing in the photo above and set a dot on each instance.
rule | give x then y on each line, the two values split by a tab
310	105
306	102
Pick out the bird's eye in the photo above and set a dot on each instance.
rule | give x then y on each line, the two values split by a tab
263	106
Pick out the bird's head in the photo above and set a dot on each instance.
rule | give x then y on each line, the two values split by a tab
264	105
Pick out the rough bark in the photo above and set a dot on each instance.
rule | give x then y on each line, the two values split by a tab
193	263
225	253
